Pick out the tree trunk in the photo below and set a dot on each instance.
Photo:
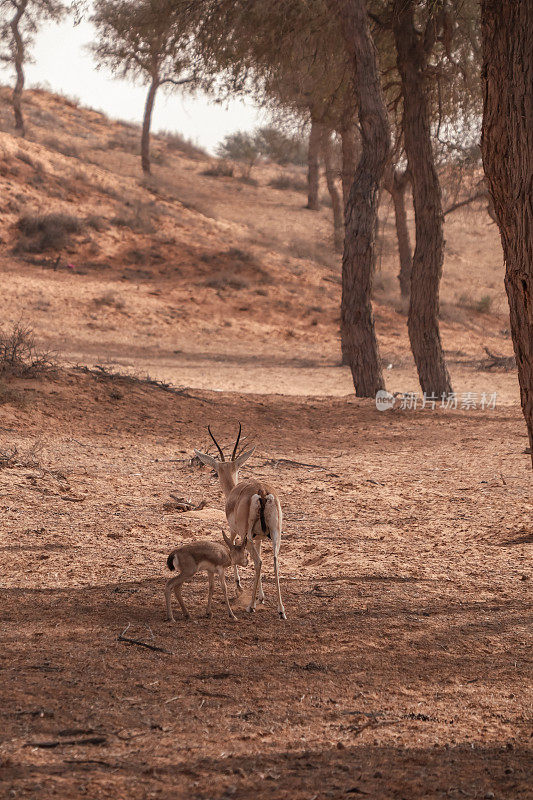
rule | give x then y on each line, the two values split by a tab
313	166
18	58
147	120
423	324
507	146
396	184
349	158
331	180
357	318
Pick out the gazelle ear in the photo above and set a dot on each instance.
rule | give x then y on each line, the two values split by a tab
240	460
209	461
226	539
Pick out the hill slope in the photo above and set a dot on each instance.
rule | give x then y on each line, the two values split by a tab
182	271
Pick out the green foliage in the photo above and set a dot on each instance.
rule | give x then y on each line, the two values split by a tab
270	143
243	147
280	147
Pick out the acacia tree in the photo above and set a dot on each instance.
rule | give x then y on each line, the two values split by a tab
357	321
149	41
507	145
21	21
413	49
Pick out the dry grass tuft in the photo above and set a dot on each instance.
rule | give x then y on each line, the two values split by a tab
219	169
41	232
288	182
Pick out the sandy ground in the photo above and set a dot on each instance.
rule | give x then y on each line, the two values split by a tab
404	667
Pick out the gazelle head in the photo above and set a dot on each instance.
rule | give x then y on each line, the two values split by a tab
227	471
238	552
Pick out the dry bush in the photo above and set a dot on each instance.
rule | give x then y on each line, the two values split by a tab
19	356
219	169
62	147
125	141
226	280
175	141
483	305
41	232
97	223
28	458
109	299
236	254
288	182
139	218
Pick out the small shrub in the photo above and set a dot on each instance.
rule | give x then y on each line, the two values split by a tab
482	306
244	256
225	280
125	142
109	299
281	147
97	223
19	356
284	182
243	147
62	147
175	141
46	231
219	169
138	220
248	181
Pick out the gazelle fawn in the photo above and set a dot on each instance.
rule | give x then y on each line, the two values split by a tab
253	512
213	557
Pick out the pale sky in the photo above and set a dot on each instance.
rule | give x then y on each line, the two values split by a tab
61	64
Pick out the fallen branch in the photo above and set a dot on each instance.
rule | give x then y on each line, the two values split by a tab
48	745
140	643
275	461
497	360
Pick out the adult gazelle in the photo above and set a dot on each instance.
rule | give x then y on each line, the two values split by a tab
253	512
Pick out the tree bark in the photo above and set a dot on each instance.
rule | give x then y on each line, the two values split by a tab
313	166
18	59
423	324
336	201
349	158
147	120
507	147
396	183
357	319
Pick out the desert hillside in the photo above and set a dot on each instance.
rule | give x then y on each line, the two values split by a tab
185	270
145	310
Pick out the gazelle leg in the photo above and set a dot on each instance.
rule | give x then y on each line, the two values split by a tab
175	584
260	594
211	578
238	587
225	593
276	545
257	577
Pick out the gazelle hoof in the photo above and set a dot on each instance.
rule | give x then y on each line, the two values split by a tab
282	615
251	610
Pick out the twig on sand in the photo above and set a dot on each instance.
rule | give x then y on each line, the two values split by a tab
275	461
140	643
58	742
